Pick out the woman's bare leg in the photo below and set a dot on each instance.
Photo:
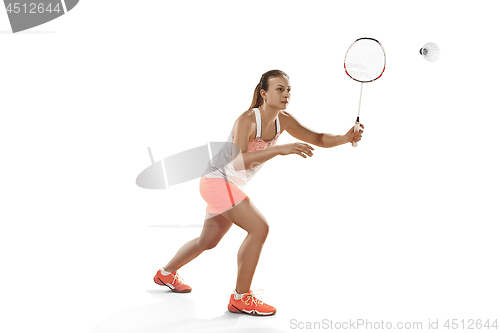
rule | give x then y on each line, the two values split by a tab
248	217
213	231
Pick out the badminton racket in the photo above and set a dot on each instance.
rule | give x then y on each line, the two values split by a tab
364	62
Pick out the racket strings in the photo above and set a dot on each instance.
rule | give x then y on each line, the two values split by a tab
365	60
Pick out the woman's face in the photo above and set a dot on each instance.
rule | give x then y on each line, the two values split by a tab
278	93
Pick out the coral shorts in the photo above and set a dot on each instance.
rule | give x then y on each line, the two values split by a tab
220	195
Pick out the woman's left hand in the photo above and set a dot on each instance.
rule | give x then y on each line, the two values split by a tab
352	136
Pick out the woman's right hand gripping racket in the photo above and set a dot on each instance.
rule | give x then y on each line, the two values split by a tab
364	62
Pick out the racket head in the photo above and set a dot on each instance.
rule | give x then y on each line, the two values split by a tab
365	60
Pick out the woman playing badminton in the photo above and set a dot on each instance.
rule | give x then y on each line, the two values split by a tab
253	141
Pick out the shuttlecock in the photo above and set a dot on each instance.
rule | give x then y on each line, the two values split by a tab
430	52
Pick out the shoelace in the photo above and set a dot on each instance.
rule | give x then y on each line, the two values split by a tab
250	298
177	278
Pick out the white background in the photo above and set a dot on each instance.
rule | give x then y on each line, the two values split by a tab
402	228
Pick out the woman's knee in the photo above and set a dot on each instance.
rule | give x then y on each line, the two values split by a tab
208	244
261	230
213	231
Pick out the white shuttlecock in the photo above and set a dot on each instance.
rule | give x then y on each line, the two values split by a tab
430	52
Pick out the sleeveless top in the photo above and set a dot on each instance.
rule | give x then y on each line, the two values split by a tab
220	166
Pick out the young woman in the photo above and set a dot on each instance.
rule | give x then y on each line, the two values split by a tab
251	143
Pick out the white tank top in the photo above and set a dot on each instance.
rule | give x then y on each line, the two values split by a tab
220	165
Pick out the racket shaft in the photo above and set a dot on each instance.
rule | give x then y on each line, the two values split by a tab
356	125
360	95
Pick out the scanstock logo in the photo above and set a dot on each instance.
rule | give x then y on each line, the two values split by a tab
24	15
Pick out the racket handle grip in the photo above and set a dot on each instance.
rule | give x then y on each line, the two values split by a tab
356	128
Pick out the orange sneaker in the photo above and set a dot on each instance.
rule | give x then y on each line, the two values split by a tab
250	304
173	281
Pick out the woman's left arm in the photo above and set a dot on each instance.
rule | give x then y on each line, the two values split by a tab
324	140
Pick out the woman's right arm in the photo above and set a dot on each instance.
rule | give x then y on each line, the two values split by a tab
248	160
